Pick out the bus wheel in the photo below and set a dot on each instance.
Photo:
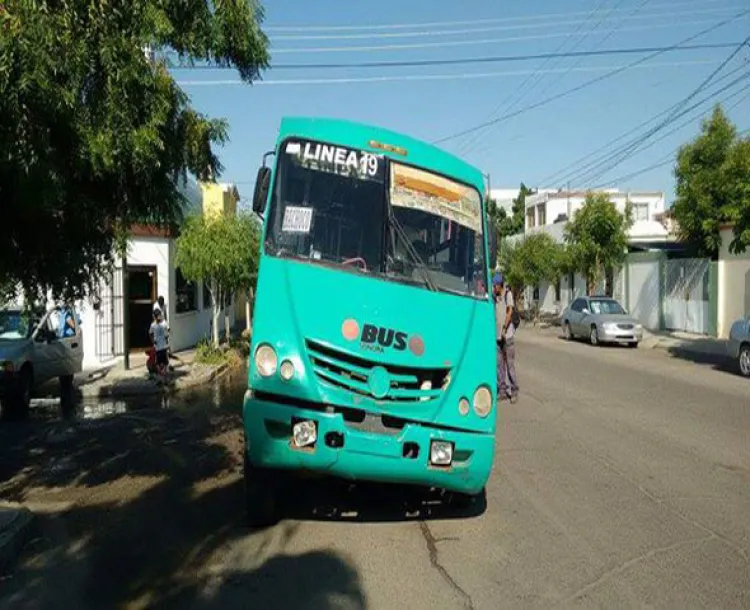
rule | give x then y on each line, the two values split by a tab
261	497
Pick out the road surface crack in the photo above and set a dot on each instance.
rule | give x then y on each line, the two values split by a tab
630	563
432	542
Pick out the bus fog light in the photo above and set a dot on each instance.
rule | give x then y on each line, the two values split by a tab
441	453
287	370
482	401
464	406
266	360
304	433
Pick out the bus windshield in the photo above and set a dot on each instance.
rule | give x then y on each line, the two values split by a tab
338	206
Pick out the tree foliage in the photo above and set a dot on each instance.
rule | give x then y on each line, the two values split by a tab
535	258
95	136
597	238
222	253
712	185
506	225
737	174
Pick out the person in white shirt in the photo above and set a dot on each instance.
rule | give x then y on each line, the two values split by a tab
159	333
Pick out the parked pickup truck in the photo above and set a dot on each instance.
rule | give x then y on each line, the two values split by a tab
35	348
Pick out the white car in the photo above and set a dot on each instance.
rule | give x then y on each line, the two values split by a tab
739	345
35	349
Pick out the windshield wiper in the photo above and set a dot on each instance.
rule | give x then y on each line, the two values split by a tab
416	259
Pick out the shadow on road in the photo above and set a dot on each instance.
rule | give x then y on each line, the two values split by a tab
142	510
146	509
329	499
695	354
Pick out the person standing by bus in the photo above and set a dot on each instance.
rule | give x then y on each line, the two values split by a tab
507	381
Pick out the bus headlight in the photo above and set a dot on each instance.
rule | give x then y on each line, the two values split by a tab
482	401
287	370
266	360
464	406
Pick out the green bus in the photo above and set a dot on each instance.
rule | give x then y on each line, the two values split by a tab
373	356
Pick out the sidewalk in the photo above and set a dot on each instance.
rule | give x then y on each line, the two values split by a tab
115	381
688	346
15	525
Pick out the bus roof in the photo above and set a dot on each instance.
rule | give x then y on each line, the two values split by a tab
358	135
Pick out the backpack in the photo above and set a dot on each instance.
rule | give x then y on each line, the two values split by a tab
515	317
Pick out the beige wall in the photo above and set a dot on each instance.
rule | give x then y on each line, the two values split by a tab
734	285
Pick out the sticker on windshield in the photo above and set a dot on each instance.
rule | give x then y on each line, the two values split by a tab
297	220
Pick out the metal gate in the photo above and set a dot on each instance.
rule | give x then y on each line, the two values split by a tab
686	295
110	318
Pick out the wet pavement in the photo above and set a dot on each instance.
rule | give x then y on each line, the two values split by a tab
226	392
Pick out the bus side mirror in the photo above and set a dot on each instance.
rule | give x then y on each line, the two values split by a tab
262	184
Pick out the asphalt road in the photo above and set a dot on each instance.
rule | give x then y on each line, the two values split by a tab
621	481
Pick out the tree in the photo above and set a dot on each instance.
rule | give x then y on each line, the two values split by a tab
597	238
497	216
534	259
222	253
95	135
513	225
706	188
737	175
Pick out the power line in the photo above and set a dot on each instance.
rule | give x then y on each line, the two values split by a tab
508	103
578	61
591	82
563	172
457	43
378	27
480	30
426	77
503	58
476	137
670	158
626	151
692	119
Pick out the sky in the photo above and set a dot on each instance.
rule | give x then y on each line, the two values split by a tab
543	140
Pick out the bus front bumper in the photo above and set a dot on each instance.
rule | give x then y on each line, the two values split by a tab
342	450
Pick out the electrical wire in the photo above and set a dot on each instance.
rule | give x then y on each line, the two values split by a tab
580	162
615	159
517	94
589	83
479	135
670	158
458	43
482	30
401	26
426	77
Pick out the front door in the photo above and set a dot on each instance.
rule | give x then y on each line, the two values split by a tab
140	302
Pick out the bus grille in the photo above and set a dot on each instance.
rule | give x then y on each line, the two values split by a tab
407	384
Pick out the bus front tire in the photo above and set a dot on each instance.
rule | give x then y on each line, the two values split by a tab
262	507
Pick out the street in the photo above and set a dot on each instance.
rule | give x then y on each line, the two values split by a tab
621	481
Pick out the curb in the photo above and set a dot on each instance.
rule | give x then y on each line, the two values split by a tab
135	388
15	525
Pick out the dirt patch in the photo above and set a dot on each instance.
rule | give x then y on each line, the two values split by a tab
136	504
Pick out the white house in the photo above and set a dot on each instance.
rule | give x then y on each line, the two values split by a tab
504	198
549	210
151	273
